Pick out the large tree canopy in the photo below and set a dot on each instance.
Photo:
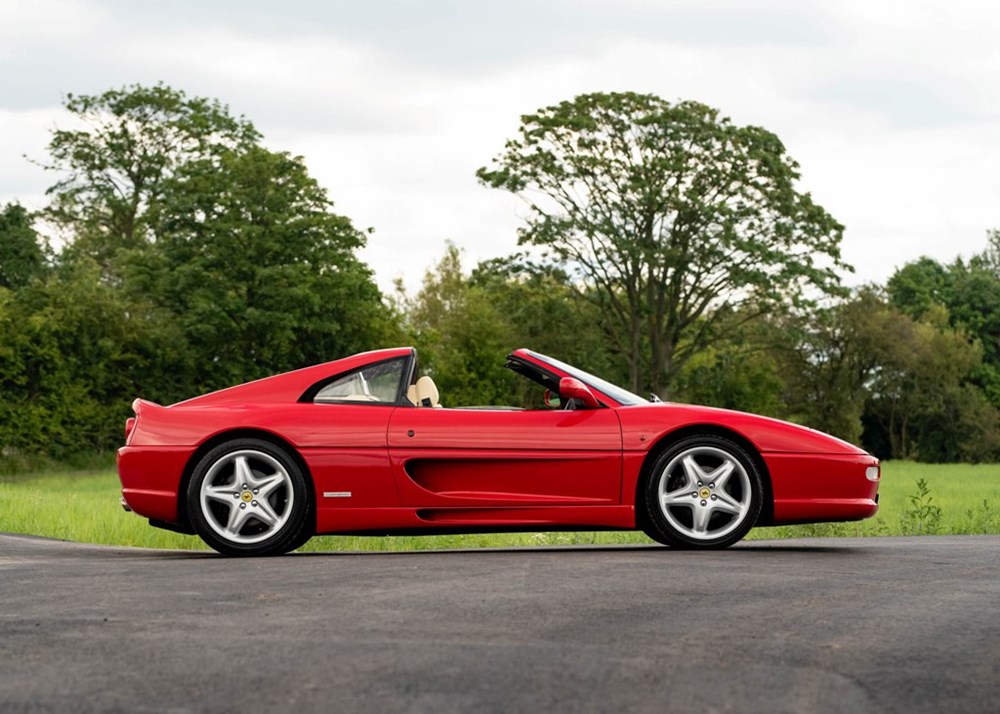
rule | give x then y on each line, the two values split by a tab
671	217
258	269
113	167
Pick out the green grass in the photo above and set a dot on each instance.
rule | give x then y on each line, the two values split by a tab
968	496
80	506
83	506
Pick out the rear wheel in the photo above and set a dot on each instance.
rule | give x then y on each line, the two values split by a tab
248	497
702	492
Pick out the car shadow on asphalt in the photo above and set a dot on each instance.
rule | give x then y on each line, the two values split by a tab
654	550
23	545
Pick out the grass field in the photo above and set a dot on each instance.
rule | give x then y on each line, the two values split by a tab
83	506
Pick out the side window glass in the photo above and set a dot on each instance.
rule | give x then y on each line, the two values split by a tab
377	383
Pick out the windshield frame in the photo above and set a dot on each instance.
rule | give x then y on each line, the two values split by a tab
624	397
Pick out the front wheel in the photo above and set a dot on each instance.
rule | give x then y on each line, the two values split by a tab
248	497
702	492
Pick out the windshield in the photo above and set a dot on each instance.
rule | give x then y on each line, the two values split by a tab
622	396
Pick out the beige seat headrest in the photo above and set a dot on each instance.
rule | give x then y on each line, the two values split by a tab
426	393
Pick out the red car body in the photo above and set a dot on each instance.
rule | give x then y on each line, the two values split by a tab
379	468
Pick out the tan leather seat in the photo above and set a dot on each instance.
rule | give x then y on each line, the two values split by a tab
424	393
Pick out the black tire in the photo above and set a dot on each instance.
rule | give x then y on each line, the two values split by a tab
304	536
248	497
685	506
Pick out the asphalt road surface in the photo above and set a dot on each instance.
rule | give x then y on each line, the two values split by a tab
841	625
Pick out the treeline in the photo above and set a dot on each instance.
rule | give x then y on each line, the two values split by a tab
665	249
908	370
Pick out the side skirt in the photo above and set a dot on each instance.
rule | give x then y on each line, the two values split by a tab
439	521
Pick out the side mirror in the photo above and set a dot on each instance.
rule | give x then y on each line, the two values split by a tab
570	388
551	399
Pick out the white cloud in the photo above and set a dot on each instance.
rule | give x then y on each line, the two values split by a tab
24	22
24	133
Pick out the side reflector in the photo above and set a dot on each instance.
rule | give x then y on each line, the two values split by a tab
871	473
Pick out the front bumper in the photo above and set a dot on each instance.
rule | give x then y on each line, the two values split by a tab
810	488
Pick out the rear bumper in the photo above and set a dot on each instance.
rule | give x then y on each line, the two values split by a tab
151	479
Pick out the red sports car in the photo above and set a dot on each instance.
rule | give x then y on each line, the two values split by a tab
363	446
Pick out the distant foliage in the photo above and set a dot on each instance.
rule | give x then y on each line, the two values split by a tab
194	259
22	252
73	351
461	336
667	249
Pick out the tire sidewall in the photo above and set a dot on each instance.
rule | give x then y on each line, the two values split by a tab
279	542
660	529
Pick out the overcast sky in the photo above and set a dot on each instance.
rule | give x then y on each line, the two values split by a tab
891	108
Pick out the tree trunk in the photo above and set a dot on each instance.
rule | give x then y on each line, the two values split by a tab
635	359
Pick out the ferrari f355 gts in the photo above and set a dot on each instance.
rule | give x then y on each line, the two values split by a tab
364	445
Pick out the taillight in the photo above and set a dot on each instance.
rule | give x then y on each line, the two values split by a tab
129	426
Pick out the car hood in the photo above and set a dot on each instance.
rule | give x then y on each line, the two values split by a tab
765	433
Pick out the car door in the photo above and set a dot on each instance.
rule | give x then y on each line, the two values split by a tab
485	457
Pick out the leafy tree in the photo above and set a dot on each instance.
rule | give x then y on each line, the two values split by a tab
672	218
21	254
540	304
741	373
827	358
969	292
72	351
461	335
922	402
864	370
811	367
919	285
113	168
989	259
258	269
975	306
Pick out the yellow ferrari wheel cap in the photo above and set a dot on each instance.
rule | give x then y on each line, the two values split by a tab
247	497
704	493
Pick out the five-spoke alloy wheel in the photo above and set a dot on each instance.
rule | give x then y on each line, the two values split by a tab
248	497
702	492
